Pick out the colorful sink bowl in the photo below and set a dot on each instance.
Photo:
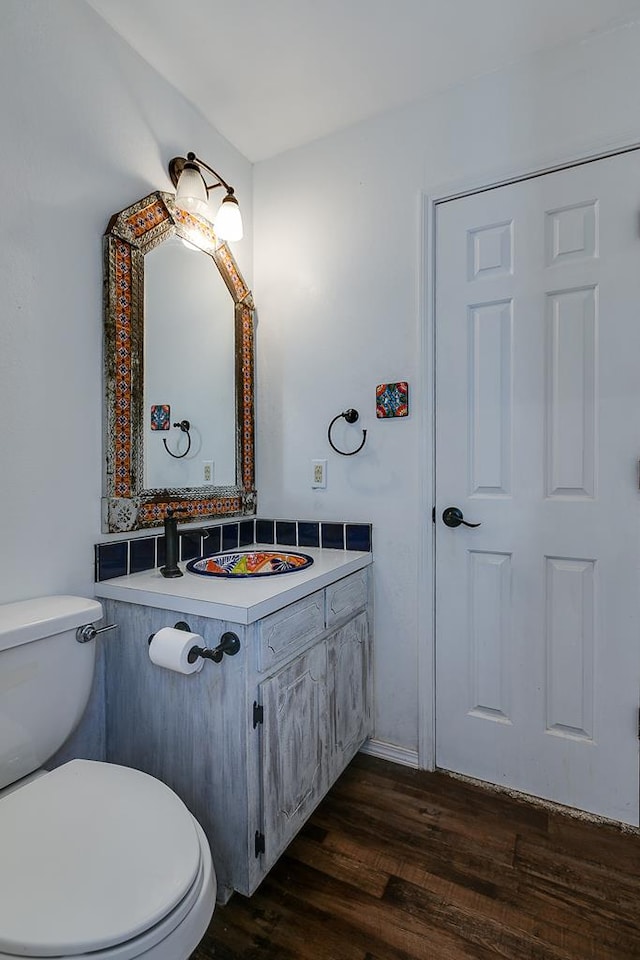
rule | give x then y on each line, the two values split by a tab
249	563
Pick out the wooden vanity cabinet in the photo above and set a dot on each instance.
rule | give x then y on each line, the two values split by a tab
251	744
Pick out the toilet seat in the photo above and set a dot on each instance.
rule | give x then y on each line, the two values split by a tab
102	860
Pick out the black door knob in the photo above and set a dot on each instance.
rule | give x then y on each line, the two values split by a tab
453	517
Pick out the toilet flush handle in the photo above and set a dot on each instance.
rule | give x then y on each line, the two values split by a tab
89	632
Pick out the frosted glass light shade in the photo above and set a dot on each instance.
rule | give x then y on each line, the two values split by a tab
228	222
191	192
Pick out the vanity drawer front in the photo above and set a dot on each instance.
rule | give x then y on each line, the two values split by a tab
284	632
346	596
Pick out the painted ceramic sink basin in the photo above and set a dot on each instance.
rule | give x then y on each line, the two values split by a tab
249	563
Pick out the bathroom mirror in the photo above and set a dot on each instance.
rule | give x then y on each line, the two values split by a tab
189	368
179	340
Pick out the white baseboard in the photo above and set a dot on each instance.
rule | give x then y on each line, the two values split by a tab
389	751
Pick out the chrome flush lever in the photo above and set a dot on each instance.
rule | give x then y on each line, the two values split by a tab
89	632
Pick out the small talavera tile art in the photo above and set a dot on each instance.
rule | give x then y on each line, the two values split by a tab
160	416
392	399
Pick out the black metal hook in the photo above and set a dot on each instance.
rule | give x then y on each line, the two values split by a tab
185	426
350	416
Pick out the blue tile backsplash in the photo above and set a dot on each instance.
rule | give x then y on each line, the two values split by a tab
190	545
309	533
212	543
357	536
112	560
265	531
332	535
247	533
286	532
230	536
145	553
142	554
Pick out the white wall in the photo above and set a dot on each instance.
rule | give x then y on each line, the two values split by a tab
337	283
87	128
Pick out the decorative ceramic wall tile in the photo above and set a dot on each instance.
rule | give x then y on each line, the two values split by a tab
392	399
160	416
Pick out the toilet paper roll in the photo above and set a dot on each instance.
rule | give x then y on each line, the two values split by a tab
170	648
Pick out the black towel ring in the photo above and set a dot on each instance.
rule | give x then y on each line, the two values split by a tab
185	426
350	416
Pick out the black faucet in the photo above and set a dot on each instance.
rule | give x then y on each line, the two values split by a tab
171	544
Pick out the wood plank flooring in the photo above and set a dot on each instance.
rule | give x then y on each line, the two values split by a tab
398	864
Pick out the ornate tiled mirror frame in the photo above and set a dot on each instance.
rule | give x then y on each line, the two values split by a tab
126	504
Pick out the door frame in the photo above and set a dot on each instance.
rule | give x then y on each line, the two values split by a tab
430	200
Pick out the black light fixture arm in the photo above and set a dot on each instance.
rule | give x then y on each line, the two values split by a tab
177	165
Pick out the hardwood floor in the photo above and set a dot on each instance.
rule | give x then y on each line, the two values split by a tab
398	864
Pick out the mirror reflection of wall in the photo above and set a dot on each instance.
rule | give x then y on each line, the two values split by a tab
189	364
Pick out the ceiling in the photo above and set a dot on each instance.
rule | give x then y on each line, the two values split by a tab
275	74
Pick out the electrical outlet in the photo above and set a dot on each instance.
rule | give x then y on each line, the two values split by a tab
207	471
318	473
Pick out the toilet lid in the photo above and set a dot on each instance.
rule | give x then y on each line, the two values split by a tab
91	855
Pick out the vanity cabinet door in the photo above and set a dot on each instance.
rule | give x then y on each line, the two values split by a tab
294	748
348	683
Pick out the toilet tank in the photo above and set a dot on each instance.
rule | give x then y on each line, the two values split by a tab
45	679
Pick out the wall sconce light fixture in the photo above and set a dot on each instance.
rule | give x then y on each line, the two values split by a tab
192	195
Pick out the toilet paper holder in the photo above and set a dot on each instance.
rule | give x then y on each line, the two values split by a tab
229	644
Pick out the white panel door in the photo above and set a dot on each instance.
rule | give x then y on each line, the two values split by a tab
538	439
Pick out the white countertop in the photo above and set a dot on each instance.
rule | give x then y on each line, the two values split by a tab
243	600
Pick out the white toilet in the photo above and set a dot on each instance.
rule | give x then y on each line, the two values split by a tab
96	860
